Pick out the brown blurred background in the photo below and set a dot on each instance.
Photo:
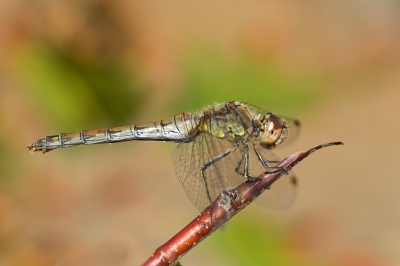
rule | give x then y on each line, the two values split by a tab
72	65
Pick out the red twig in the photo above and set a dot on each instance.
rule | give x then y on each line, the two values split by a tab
221	210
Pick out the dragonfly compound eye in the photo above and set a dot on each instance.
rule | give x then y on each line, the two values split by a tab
271	131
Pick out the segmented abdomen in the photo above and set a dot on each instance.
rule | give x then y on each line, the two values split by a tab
173	129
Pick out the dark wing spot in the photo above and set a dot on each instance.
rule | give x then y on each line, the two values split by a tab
293	180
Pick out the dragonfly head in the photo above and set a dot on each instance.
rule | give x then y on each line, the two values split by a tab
273	131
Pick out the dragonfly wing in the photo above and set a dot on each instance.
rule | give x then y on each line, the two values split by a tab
190	156
294	129
283	192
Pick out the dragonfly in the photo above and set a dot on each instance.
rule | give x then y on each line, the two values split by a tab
219	148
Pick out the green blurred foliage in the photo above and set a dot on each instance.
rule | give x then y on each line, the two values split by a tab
250	241
75	94
212	77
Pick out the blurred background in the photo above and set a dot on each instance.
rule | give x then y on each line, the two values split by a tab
72	65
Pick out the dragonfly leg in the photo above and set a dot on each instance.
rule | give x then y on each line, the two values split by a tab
246	161
245	173
265	162
211	162
238	166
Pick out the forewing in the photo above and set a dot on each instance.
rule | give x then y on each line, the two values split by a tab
190	156
294	129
